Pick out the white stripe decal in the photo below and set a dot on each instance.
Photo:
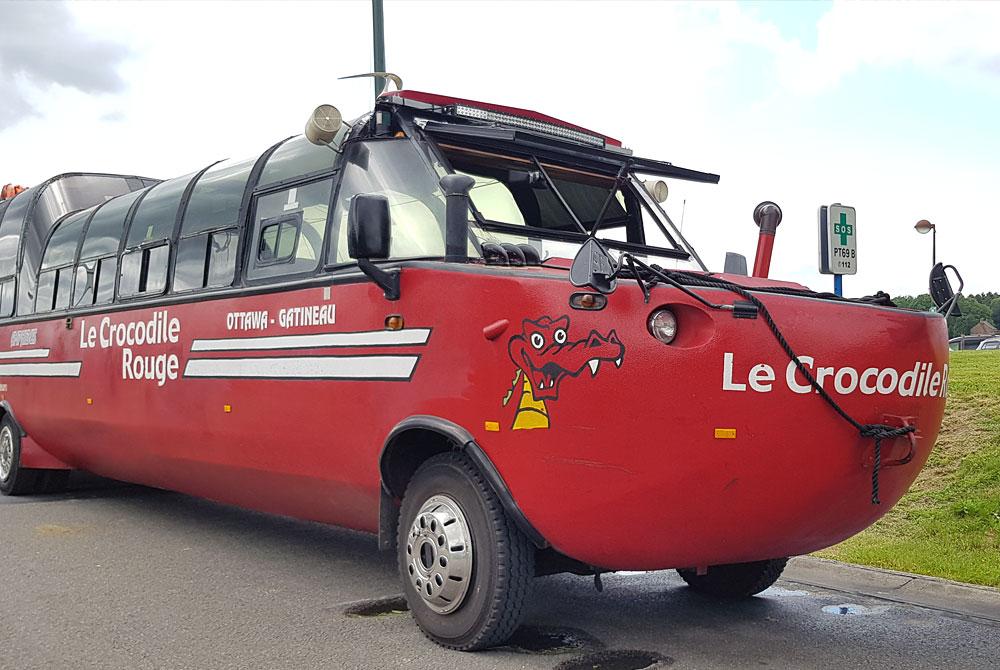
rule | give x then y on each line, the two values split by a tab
40	369
373	338
25	353
305	367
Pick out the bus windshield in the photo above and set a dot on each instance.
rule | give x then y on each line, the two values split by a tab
550	207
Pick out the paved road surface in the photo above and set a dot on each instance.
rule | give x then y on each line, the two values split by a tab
112	576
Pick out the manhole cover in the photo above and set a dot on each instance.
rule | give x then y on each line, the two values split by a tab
378	607
616	659
544	640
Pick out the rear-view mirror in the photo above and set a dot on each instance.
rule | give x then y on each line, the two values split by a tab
944	297
593	266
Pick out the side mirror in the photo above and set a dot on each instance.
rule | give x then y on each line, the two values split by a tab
593	266
941	292
368	230
368	227
736	264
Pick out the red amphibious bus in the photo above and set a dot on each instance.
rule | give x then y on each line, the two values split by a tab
468	328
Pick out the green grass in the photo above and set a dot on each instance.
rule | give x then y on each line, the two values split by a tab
948	524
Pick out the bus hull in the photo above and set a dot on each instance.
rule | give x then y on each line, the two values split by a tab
662	456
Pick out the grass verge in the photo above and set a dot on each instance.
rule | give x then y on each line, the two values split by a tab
948	524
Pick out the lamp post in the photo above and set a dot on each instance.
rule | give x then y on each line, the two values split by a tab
923	227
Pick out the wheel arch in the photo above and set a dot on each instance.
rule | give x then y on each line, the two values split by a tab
419	437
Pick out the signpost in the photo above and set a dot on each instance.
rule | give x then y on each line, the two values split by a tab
838	243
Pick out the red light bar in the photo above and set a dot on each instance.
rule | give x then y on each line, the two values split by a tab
444	101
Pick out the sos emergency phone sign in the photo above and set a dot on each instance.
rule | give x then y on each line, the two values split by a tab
838	240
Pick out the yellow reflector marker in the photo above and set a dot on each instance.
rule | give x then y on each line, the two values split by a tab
725	433
492	426
90	401
227	408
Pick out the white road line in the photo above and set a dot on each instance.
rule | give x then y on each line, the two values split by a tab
374	338
25	353
40	369
305	367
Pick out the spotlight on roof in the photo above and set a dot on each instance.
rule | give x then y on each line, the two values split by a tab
323	125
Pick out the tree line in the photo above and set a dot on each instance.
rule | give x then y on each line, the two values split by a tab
975	308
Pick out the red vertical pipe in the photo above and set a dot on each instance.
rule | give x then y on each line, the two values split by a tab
767	215
762	261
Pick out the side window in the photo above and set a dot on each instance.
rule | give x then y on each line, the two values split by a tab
147	247
98	264
395	169
209	236
297	157
279	238
289	228
10	236
55	279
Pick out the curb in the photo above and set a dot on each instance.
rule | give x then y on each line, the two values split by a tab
967	600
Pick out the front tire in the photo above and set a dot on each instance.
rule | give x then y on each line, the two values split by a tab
466	569
736	580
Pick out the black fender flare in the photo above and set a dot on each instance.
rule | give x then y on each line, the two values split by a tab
6	409
460	439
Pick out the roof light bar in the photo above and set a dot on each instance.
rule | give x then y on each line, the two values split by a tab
529	124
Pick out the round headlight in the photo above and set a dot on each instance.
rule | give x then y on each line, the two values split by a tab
663	325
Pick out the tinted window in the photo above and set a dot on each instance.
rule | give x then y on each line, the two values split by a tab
67	194
46	291
155	217
105	229
107	270
144	271
10	232
296	157
61	248
216	198
308	204
7	293
395	169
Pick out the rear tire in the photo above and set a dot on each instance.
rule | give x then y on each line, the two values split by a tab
466	570
14	480
736	580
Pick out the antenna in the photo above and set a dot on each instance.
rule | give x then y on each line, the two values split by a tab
684	207
388	76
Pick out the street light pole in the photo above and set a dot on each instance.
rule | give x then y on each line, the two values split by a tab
378	42
923	227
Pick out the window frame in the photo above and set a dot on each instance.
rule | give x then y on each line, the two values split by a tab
252	237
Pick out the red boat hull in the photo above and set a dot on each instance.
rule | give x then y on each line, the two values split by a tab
629	471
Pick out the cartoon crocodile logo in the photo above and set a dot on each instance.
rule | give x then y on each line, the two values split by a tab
545	357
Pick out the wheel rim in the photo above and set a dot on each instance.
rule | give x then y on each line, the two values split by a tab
6	452
439	554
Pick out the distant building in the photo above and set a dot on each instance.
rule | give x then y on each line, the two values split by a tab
983	328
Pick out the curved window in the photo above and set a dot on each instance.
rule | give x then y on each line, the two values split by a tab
104	233
10	236
55	281
209	236
157	213
295	158
395	169
143	265
98	265
289	228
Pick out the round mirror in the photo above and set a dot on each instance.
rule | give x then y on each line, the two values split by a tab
324	124
924	226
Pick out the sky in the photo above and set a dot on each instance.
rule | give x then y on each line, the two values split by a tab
892	108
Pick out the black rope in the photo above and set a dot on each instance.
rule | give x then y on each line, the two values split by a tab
875	431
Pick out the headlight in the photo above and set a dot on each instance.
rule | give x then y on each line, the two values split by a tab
662	325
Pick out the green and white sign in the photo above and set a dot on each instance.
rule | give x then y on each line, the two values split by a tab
838	240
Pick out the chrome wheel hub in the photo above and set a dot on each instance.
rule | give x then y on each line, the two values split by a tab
6	452
439	554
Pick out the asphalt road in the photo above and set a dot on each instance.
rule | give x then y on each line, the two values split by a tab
113	576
